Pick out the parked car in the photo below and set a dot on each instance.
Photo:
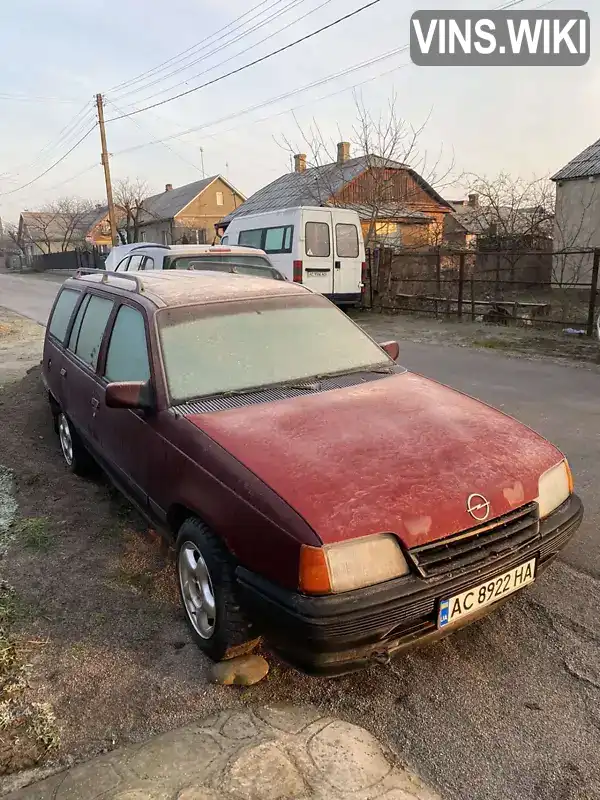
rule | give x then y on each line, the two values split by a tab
145	256
317	493
322	248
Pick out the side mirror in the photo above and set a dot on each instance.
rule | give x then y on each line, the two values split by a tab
392	349
129	394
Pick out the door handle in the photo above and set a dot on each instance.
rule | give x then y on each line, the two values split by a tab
337	264
63	372
95	404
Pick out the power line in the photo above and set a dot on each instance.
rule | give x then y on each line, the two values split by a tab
241	52
284	96
179	56
290	4
35	98
68	133
252	63
158	141
56	163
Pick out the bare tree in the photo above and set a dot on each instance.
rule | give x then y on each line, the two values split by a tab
60	225
390	147
576	229
129	196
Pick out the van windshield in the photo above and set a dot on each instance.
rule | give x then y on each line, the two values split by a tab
237	346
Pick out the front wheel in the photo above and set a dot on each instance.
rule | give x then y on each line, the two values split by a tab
206	585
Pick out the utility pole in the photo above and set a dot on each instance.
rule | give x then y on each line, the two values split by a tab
105	164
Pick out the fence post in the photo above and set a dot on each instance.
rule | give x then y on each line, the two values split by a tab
593	291
370	260
472	298
461	285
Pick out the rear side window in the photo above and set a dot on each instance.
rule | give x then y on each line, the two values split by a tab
317	239
61	315
122	265
127	357
346	240
88	330
135	263
251	238
149	263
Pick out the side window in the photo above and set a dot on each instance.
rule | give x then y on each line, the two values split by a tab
148	263
278	240
61	315
219	198
122	265
251	238
225	240
88	330
317	239
346	240
127	357
135	263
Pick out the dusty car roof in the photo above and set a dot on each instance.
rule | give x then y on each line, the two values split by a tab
177	288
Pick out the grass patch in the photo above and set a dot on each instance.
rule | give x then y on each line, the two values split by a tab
35	533
493	344
27	729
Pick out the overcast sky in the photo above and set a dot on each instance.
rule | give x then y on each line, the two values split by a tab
56	55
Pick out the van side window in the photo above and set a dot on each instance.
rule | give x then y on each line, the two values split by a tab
346	240
61	316
278	240
317	239
148	263
88	330
251	238
127	357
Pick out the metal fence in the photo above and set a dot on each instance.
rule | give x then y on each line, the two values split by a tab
70	260
534	288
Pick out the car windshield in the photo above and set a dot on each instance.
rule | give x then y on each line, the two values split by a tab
235	346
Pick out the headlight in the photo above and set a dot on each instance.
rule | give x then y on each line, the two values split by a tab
351	565
555	486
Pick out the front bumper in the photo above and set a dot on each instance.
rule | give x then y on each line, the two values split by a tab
335	634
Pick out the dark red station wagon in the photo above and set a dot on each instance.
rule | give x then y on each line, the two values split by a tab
319	495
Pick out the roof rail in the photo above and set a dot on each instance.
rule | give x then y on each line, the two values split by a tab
105	275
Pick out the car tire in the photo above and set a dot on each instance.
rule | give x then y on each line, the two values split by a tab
76	457
205	575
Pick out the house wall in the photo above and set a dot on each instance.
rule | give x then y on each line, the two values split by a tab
382	186
204	212
576	225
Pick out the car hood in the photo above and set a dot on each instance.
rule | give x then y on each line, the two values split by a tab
401	454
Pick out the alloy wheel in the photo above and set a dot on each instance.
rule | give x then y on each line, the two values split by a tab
197	590
66	439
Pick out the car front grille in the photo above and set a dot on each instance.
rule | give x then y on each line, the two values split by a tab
494	540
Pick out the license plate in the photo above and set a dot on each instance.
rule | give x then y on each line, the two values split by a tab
463	605
317	273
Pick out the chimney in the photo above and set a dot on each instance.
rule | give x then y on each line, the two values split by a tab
300	162
343	152
473	200
168	187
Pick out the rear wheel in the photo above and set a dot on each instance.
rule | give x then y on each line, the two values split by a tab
205	571
76	456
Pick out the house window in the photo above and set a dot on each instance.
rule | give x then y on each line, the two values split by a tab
219	198
386	228
317	239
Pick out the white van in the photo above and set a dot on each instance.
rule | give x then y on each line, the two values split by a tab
322	248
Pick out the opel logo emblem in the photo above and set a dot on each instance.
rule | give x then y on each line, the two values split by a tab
478	507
